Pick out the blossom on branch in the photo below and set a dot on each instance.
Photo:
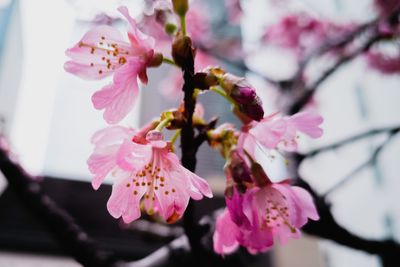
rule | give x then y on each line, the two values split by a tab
255	218
280	132
301	33
102	52
143	168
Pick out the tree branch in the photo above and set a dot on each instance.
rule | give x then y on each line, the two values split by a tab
376	35
327	227
310	90
351	139
58	221
370	161
192	229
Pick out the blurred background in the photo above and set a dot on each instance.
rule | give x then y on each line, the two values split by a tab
47	115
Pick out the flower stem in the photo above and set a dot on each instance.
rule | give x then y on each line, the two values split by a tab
163	123
223	94
183	25
169	61
175	136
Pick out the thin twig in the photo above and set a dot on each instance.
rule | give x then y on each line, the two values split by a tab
350	140
310	90
370	161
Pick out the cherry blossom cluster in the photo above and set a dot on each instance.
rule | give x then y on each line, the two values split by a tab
147	174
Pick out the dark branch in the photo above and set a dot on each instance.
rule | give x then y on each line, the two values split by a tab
375	36
59	222
193	230
240	65
310	90
369	162
328	228
331	44
352	139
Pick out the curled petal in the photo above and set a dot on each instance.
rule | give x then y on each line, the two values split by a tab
225	235
137	37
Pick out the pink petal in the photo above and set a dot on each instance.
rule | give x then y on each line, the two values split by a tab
88	71
112	135
307	122
132	156
118	98
225	235
198	186
247	142
125	200
236	210
257	238
173	186
269	132
101	162
306	202
91	57
137	37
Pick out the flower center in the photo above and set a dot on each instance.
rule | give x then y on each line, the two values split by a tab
276	215
112	54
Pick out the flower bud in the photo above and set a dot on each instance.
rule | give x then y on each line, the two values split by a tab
253	110
156	61
182	50
240	90
204	80
180	7
239	169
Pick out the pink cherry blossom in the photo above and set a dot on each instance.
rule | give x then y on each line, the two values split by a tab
275	131
301	32
107	143
102	52
226	234
273	211
162	182
304	122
